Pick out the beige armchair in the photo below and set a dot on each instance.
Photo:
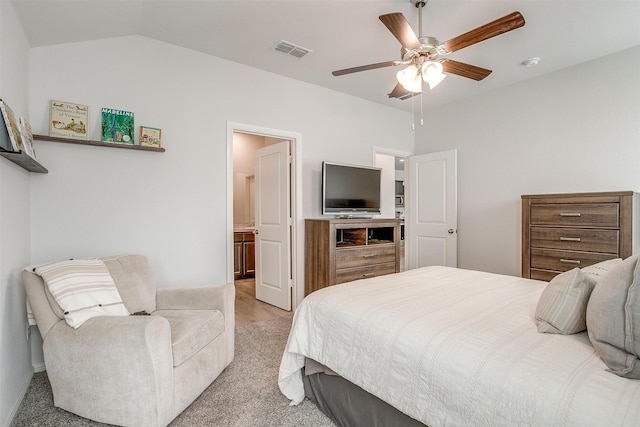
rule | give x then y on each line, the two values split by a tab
136	370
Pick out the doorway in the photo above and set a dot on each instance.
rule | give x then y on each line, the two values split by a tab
392	163
244	143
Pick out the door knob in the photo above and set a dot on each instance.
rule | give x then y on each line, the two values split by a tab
256	231
451	231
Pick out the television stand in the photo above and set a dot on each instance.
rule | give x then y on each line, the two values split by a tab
345	249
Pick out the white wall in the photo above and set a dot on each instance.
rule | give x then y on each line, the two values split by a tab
244	151
169	206
15	358
388	185
576	130
244	165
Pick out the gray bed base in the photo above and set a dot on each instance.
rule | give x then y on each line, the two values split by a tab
348	405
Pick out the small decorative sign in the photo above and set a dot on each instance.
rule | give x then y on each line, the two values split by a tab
68	120
150	137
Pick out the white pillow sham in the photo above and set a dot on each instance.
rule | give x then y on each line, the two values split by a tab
562	306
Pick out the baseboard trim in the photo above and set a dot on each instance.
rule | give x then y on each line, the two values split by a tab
16	405
39	367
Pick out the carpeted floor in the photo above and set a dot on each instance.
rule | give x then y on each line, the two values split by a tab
246	394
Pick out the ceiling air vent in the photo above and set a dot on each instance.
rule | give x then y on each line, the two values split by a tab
291	49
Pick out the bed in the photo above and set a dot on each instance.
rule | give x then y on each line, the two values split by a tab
447	346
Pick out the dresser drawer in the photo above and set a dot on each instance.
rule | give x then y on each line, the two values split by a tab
365	255
544	275
576	239
350	274
577	215
549	259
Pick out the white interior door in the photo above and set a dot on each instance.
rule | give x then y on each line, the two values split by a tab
273	225
431	210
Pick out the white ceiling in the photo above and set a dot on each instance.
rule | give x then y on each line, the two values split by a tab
348	33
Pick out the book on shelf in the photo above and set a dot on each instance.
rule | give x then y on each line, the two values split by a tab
11	141
27	137
117	126
150	137
68	120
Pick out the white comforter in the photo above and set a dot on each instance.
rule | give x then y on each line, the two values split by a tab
456	347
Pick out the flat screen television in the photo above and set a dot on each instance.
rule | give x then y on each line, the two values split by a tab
350	190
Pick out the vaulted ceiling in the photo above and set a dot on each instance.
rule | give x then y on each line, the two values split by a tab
348	33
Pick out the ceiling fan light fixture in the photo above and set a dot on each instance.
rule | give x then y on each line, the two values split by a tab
432	73
410	78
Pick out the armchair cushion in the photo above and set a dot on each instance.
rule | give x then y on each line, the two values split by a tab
191	330
134	280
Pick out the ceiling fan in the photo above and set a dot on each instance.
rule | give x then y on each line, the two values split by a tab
426	57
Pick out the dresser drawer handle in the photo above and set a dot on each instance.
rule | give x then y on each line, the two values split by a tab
368	256
570	261
570	214
570	239
367	274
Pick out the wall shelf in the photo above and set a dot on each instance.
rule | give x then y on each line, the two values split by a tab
96	143
23	160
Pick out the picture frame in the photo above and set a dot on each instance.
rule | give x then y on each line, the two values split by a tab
68	120
150	137
117	126
14	142
27	137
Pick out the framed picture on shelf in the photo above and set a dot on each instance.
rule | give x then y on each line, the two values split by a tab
68	120
27	137
13	142
117	126
150	137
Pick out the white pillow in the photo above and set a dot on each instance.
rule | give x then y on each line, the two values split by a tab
613	319
83	289
562	306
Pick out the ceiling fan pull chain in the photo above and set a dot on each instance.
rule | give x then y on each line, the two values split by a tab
413	113
421	115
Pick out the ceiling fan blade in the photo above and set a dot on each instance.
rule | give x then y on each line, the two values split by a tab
465	70
492	29
401	93
400	28
410	95
365	68
398	91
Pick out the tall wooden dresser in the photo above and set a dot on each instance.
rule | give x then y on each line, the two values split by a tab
564	231
342	250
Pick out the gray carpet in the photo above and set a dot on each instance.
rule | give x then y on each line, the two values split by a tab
245	394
